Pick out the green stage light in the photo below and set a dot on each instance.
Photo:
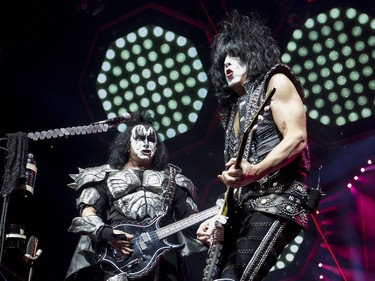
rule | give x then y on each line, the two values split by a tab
333	54
157	70
289	253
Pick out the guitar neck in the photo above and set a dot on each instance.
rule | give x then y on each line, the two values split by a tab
186	222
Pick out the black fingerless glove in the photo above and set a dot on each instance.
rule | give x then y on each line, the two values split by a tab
105	234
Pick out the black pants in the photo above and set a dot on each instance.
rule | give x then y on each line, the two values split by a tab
258	240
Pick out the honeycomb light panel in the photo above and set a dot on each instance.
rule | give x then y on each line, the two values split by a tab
333	53
289	253
156	70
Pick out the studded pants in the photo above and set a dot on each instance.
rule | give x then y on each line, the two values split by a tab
258	240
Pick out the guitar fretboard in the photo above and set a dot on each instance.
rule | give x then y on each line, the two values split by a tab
186	222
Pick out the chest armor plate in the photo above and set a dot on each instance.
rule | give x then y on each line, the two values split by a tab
138	195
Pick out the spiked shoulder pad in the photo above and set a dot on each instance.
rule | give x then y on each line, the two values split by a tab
89	175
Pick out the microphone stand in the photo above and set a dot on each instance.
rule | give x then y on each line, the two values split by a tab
71	131
32	259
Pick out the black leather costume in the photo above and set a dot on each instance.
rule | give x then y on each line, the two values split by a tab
269	213
284	192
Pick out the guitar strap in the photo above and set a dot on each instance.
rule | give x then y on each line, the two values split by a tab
249	110
169	195
173	170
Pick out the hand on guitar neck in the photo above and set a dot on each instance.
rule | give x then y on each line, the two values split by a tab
211	230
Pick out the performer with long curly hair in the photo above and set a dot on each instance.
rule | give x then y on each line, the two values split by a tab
267	193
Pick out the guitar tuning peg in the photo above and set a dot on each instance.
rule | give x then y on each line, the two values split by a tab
266	108
260	117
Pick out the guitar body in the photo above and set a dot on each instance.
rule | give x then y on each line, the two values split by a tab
149	244
147	249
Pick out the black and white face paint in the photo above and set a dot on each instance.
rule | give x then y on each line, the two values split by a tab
235	71
143	142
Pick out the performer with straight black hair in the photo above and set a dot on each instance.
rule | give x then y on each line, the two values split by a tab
136	186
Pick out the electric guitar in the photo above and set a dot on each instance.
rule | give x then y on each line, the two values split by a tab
211	269
148	244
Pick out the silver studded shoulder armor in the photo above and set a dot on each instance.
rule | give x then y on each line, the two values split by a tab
186	183
89	175
89	196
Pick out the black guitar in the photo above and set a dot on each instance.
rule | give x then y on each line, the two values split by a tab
148	244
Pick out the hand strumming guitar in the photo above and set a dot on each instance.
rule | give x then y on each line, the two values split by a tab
205	230
117	239
236	178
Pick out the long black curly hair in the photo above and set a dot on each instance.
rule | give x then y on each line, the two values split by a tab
246	37
119	148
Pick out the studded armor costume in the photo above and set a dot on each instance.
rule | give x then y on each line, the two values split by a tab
131	196
283	192
141	195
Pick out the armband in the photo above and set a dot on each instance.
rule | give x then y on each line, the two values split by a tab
87	226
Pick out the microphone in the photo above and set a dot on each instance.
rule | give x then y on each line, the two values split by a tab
115	120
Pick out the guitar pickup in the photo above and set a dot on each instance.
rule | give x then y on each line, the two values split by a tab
144	238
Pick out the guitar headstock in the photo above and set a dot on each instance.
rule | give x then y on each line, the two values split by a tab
220	202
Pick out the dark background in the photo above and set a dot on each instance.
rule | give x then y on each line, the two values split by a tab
45	51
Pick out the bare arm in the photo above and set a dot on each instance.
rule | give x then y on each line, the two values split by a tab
88	211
